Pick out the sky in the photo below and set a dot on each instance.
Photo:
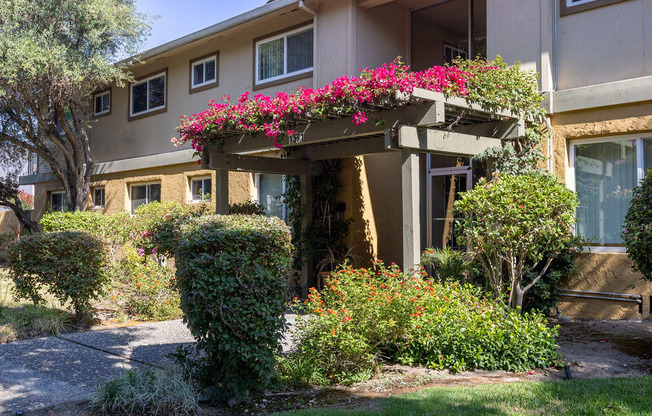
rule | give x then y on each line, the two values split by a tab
179	18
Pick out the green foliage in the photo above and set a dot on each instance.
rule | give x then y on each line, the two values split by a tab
506	222
249	207
637	228
145	289
69	265
31	321
148	391
5	241
447	264
231	274
363	315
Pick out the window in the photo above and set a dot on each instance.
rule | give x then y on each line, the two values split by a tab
144	194
451	52
58	202
102	103
98	197
201	189
284	55
203	73
604	173
574	6
269	192
148	95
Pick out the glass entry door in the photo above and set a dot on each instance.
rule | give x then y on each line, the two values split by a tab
444	187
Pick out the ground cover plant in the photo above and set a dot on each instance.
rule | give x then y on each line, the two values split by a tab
637	227
20	319
617	396
364	315
231	272
148	391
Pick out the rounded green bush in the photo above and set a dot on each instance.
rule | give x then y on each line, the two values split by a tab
637	228
70	265
231	275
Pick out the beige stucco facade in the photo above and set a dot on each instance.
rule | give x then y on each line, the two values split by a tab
8	222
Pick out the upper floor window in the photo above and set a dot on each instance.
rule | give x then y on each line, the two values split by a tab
148	95
573	6
144	194
284	55
604	173
102	103
203	72
58	202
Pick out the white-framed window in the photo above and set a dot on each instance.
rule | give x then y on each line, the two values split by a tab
451	52
603	172
58	202
573	6
285	55
102	103
269	190
144	194
201	188
99	197
203	72
148	94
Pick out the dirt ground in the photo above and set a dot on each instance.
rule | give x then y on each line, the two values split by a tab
592	349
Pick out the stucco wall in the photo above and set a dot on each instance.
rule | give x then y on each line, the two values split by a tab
175	186
603	272
8	222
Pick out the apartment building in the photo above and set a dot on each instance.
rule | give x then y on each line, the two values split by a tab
596	71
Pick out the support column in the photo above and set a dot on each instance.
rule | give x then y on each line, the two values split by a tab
411	213
306	203
222	188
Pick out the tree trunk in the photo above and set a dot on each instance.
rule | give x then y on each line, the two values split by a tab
518	294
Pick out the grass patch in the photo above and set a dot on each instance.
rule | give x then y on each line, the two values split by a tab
19	320
614	396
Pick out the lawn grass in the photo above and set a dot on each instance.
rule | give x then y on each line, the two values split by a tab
614	396
19	320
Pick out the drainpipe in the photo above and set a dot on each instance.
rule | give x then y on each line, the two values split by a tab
555	64
315	51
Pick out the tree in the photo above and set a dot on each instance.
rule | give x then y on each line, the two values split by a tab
10	168
637	228
507	220
55	55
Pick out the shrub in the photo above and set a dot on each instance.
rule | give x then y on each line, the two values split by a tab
247	208
69	265
447	264
31	321
148	391
508	220
364	315
5	242
637	228
145	289
231	274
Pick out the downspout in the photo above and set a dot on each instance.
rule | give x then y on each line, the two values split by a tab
554	85
310	11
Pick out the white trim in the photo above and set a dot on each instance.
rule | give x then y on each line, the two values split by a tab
284	36
95	189
202	179
96	96
146	81
131	193
202	62
604	249
64	207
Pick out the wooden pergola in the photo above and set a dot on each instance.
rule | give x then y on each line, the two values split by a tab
421	122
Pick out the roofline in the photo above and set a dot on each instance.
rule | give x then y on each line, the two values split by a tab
211	30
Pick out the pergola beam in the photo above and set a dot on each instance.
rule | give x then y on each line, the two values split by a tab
274	165
425	115
500	129
350	148
443	142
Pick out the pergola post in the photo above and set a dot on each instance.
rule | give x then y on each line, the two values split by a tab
306	201
411	204
222	188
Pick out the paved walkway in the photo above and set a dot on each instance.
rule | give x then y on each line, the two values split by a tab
43	372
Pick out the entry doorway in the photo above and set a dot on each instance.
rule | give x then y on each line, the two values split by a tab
448	176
